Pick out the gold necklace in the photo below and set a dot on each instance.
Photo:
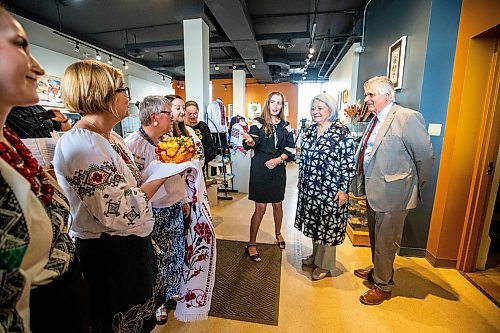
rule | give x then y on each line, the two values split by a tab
96	130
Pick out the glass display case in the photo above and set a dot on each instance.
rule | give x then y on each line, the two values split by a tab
357	224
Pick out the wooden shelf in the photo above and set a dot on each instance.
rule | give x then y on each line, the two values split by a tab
358	238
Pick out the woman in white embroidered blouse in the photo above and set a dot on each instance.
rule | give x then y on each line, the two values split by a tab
155	113
109	204
179	128
38	267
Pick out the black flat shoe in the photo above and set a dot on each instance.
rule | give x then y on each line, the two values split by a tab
281	244
161	315
253	257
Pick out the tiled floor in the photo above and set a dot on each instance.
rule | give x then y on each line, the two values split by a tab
426	299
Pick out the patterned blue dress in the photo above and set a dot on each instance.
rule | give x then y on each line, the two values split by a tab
168	229
168	234
327	166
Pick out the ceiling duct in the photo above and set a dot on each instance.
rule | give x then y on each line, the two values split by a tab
135	53
286	44
234	19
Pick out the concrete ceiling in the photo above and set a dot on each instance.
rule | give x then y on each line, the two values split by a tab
267	38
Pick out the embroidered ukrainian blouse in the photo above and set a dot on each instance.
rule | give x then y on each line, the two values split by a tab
102	184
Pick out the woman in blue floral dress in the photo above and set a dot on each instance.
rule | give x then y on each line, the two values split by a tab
325	173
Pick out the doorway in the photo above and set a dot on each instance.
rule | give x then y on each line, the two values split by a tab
479	254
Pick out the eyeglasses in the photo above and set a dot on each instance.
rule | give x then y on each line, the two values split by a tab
126	90
168	113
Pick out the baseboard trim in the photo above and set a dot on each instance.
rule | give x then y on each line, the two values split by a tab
410	251
438	262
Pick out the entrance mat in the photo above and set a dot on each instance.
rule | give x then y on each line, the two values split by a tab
246	290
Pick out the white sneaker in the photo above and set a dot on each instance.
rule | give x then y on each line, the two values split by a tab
309	261
320	273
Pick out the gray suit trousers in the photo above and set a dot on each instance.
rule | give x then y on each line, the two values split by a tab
385	229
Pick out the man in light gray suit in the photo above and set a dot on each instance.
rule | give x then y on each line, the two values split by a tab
394	160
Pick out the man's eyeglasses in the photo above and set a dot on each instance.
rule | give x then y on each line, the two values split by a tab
126	90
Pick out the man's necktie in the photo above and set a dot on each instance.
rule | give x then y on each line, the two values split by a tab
363	148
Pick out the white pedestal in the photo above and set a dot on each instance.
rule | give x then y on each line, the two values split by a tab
241	170
212	195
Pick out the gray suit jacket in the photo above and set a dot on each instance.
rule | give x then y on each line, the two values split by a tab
402	158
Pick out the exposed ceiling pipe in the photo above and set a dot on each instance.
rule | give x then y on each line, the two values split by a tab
324	61
339	55
361	48
319	52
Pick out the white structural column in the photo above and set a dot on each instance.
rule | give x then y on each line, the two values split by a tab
197	62
239	91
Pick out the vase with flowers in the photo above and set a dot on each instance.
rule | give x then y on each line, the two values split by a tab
356	118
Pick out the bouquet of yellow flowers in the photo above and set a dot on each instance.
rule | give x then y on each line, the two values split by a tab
175	150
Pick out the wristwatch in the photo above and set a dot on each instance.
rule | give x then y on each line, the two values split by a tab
64	122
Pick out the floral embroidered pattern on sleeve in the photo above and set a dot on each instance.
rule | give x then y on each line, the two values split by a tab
96	177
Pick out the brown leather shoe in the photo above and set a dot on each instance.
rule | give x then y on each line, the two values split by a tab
365	274
374	296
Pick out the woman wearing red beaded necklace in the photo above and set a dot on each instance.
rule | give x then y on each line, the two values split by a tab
36	253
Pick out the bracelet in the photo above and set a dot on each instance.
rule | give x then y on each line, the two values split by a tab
64	122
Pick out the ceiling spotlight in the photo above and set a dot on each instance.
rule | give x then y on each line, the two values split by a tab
234	66
310	55
303	78
77	47
162	78
216	67
182	85
178	84
253	64
97	56
305	72
125	65
265	86
225	87
110	61
311	50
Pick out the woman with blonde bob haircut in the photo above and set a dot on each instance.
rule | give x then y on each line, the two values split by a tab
112	216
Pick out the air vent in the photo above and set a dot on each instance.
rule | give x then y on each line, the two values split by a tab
135	53
286	44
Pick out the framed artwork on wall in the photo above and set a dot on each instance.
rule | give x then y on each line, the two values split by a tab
345	96
49	91
396	62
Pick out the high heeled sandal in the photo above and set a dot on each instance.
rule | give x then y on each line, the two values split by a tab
281	244
253	257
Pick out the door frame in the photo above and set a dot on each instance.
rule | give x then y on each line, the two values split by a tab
488	143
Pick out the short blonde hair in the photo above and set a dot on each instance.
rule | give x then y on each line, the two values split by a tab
89	86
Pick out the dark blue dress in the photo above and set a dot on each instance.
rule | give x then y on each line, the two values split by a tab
327	166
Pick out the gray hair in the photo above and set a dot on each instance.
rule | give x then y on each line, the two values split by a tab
330	102
151	105
383	86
